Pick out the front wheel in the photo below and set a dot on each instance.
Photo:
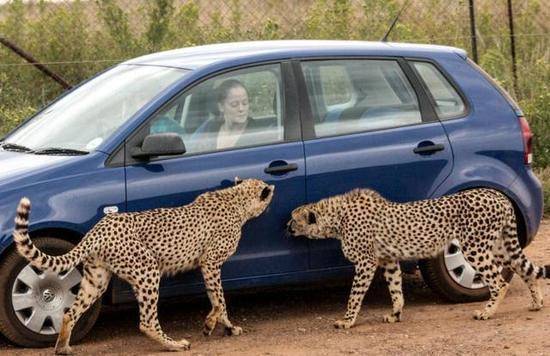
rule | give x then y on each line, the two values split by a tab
452	277
32	302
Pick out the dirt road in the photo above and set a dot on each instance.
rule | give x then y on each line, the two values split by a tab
299	322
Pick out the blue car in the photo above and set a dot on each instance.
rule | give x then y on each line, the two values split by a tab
314	118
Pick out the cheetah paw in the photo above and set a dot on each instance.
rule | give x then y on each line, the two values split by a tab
481	315
343	324
535	306
179	345
65	350
234	331
391	318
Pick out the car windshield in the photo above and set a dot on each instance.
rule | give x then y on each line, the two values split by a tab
84	118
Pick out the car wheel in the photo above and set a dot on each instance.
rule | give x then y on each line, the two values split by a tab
32	302
452	277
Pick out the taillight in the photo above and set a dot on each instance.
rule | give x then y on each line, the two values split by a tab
527	136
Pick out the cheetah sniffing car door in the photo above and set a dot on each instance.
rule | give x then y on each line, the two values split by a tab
369	127
268	149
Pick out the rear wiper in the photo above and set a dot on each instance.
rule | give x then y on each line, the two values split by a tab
14	147
59	151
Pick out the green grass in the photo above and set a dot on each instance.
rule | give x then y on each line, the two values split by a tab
544	177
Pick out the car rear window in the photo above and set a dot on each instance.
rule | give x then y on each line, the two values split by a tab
448	103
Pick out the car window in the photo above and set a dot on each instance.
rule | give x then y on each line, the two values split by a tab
237	109
447	101
374	94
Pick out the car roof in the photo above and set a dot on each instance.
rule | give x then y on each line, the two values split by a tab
201	56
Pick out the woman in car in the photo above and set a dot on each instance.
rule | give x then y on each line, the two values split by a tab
232	125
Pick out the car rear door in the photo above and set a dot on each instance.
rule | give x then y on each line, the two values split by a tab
274	155
367	123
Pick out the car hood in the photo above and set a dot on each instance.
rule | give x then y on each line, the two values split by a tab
17	165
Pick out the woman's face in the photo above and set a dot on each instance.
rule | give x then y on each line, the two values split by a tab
234	108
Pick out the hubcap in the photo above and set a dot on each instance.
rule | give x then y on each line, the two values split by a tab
459	269
39	299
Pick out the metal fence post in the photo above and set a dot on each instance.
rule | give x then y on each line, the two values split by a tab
513	47
473	30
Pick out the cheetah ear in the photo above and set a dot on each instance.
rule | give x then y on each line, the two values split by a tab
237	180
311	218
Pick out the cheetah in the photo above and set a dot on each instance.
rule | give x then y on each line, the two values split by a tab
376	232
141	247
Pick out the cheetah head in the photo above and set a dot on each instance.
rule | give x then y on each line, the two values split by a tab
309	221
257	194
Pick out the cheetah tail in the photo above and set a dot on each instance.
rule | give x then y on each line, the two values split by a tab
37	258
519	261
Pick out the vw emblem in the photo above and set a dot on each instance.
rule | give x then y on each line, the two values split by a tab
48	295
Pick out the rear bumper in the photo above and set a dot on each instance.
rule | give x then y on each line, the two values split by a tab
527	193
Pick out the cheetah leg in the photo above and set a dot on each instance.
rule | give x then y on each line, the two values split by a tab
493	278
521	265
147	297
93	285
364	272
536	294
143	274
392	274
506	272
214	290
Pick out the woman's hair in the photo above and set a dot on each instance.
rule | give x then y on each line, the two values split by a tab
224	88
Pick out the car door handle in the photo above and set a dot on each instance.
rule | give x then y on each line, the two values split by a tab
279	169
429	149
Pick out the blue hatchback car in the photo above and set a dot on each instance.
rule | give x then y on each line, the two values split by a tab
314	118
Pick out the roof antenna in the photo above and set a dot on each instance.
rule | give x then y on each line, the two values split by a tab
385	38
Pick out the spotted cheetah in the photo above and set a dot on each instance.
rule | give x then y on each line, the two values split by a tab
377	232
142	247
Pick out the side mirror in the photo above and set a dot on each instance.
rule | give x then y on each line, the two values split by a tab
161	144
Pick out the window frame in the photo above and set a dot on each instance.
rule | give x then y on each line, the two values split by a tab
426	108
289	108
449	79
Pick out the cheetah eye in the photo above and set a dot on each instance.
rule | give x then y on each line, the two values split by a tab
311	219
265	193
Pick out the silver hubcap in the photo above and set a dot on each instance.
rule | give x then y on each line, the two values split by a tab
459	269
39	299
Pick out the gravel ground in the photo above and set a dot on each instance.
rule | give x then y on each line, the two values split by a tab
299	322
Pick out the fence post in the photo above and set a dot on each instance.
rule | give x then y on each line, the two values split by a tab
20	52
513	47
473	30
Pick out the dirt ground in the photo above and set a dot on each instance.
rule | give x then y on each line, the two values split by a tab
299	322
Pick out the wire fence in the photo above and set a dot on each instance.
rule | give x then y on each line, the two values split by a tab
77	38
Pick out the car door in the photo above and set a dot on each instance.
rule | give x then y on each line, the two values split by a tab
271	151
367	125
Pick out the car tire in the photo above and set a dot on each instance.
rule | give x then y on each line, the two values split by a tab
48	297
451	276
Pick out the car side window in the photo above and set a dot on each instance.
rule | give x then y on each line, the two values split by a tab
373	94
448	103
236	109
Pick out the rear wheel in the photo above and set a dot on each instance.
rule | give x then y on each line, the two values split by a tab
32	302
451	276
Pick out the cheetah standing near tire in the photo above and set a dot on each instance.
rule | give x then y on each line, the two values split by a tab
376	232
141	247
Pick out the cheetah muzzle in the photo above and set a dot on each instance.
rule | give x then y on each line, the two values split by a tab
377	232
142	247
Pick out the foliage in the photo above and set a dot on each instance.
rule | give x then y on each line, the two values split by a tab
79	38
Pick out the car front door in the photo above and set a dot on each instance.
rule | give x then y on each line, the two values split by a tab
269	148
368	126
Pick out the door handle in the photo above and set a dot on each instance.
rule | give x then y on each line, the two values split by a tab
280	169
429	149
